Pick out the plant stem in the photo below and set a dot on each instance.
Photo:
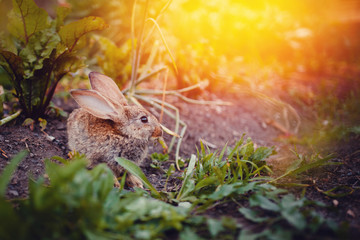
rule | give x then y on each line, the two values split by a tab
46	86
29	100
51	92
9	118
166	6
133	55
137	54
163	96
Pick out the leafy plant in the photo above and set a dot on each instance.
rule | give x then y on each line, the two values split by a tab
136	171
8	171
210	171
157	159
39	52
305	163
280	215
210	180
80	203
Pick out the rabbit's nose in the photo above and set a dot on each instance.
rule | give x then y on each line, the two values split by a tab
157	132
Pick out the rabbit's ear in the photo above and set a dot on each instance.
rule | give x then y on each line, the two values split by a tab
94	103
107	87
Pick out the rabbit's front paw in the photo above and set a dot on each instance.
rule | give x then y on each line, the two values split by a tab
133	181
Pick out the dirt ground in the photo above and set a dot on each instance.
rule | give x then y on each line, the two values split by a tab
216	125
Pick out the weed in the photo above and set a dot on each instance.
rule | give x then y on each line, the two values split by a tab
157	159
81	203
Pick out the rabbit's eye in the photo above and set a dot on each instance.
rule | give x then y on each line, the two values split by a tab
144	119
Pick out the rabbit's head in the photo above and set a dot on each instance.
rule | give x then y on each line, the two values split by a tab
105	101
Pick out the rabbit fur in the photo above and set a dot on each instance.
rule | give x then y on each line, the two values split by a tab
106	127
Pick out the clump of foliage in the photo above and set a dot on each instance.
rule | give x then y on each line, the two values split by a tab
83	204
38	52
80	203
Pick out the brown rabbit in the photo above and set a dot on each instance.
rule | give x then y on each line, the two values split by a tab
106	127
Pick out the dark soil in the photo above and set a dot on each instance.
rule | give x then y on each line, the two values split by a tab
216	125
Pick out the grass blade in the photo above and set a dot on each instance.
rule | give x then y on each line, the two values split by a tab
301	166
135	170
188	175
164	42
5	177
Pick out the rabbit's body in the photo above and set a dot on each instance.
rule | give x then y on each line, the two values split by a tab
105	128
105	147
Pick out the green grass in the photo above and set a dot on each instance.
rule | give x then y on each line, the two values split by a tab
80	203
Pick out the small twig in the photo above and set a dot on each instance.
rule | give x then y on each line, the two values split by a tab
186	99
183	130
164	42
9	118
136	58
192	87
133	49
210	145
26	145
3	153
157	18
277	126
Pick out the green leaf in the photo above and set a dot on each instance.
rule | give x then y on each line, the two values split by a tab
186	189
248	149
42	123
261	153
60	159
206	182
171	170
72	32
188	183
189	234
289	202
39	48
61	14
223	152
65	63
249	235
246	187
223	191
295	218
290	210
58	173
339	191
134	169
29	122
160	157
232	151
191	166
263	202
252	215
12	64
26	18
300	165
214	226
6	174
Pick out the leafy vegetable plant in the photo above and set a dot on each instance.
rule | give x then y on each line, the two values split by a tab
38	52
